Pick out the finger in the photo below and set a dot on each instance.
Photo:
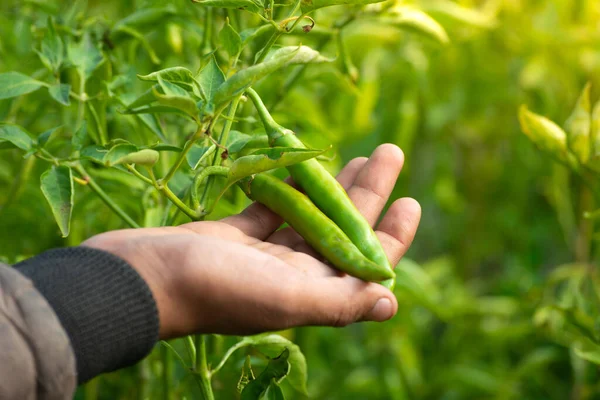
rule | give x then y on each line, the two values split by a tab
289	237
376	180
398	227
340	301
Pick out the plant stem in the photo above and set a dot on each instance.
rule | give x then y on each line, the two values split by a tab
222	139
167	362
163	188
586	226
182	155
201	369
81	105
105	197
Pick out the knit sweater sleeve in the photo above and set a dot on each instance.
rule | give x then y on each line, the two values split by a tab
103	304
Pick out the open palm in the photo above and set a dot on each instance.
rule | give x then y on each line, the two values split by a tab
241	275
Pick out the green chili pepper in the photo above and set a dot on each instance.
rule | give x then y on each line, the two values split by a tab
326	192
315	227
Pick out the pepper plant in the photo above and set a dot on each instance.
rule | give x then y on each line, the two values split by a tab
153	101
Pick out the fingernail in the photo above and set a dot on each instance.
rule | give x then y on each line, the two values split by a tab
382	310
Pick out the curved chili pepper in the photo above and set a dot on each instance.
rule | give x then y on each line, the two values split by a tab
315	227
326	192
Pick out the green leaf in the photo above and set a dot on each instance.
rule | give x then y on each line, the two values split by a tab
412	280
60	92
210	79
155	110
415	19
456	12
93	153
273	392
311	5
13	84
578	126
179	76
245	78
272	345
15	136
247	375
548	136
166	147
85	56
276	370
247	5
45	137
148	97
595	128
118	152
57	187
268	159
147	157
176	97
146	17
80	136
230	39
588	350
52	51
198	154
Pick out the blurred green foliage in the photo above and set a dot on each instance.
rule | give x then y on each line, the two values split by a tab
487	312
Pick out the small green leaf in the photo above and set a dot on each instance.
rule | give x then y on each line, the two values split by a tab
13	84
118	152
148	97
198	154
548	136
245	78
85	56
60	92
210	79
271	345
80	136
247	375
273	392
247	5
413	281
52	51
15	136
166	147
57	187
176	97
415	19
230	39
268	159
276	370
179	76
147	157
578	126
45	137
311	5
93	153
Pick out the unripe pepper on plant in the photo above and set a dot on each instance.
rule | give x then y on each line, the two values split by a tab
315	227
326	192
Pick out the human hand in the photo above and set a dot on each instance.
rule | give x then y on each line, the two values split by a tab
242	276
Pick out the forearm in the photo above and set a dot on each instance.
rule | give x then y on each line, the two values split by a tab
105	307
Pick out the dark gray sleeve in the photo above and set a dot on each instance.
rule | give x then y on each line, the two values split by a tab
36	358
104	305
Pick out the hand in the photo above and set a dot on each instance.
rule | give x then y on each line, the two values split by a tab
241	276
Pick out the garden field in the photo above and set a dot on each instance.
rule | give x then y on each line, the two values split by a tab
495	104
